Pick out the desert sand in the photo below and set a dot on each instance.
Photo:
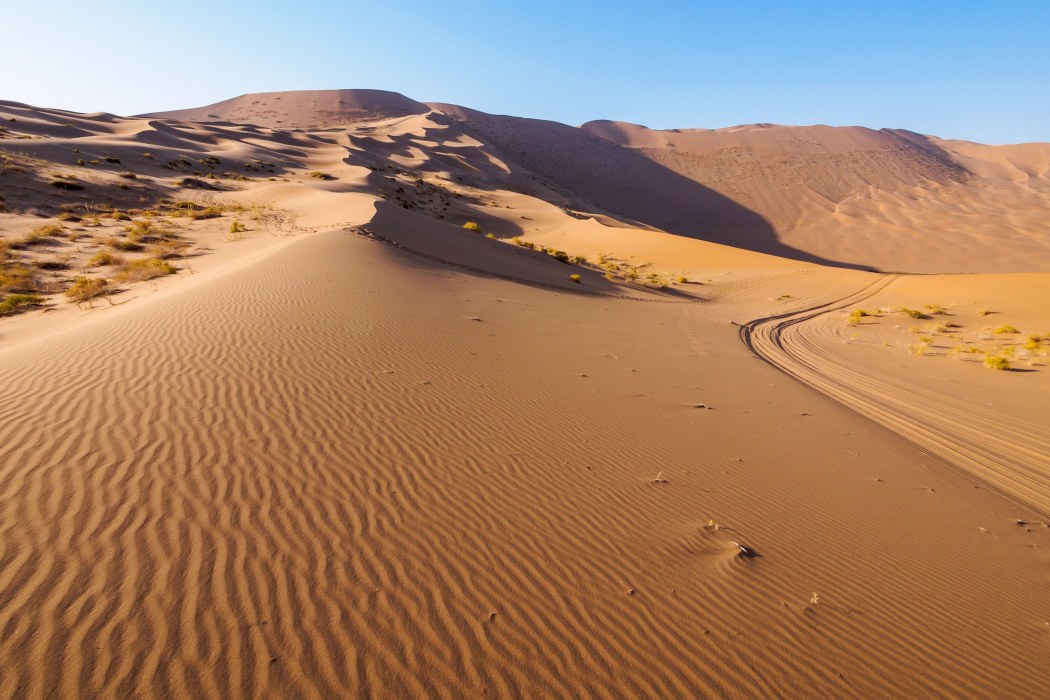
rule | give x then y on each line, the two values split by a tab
346	447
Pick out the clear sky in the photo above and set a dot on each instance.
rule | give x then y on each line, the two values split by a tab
958	69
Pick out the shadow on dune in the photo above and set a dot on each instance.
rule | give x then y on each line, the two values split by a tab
626	184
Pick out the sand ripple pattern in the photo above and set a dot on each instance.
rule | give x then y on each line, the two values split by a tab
312	479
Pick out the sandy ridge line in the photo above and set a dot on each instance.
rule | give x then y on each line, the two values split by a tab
366	232
764	337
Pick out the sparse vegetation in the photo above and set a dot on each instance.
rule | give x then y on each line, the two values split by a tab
575	278
321	175
15	303
144	269
914	313
1004	329
86	288
104	258
472	226
996	362
856	315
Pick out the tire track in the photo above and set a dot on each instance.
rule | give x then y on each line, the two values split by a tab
950	439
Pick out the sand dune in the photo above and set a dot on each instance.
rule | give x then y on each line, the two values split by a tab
357	449
305	109
342	489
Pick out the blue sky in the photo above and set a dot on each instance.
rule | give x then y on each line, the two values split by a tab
974	70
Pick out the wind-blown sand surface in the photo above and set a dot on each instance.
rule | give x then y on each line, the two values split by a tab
365	452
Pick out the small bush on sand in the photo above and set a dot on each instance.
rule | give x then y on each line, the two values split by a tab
1004	329
207	213
936	309
237	227
38	234
682	279
996	362
86	288
144	269
14	303
320	175
559	255
575	278
914	313
103	258
472	226
856	315
17	277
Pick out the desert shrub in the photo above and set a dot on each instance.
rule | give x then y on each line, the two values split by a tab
525	244
144	269
68	216
17	277
119	216
104	257
681	279
66	184
490	236
1004	329
935	309
111	159
914	313
472	226
996	362
856	315
166	249
42	232
86	288
129	175
578	259
559	255
320	175
236	227
126	246
575	278
15	303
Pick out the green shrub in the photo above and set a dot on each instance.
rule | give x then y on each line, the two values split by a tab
14	303
856	315
996	362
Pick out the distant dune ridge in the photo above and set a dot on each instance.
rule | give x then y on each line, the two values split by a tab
889	200
379	398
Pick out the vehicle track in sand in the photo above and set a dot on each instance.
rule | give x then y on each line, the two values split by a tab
993	451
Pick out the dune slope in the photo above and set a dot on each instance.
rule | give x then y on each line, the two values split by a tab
342	489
